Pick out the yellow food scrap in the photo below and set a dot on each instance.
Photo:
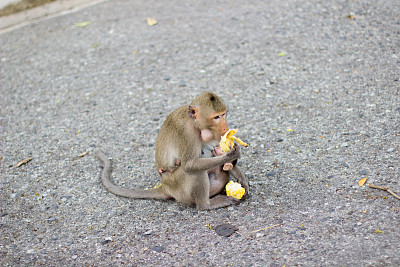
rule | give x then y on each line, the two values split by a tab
234	190
362	181
227	141
151	21
158	185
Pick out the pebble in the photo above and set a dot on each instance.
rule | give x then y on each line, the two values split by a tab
167	78
148	232
112	213
158	248
74	257
271	173
182	84
390	150
3	214
270	203
279	140
363	172
260	235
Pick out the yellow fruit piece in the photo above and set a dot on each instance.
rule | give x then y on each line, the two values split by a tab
151	21
234	190
227	141
362	181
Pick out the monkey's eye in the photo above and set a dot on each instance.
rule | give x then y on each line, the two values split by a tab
217	117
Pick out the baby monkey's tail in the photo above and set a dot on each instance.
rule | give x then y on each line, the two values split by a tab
153	193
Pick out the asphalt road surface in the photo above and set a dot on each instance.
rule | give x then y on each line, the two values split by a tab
313	87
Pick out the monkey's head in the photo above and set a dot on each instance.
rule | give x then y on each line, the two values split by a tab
209	114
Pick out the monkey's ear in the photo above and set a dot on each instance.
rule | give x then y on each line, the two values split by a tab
193	112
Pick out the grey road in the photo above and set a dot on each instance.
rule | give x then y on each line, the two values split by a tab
313	86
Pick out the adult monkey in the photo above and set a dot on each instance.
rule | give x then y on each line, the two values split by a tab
185	175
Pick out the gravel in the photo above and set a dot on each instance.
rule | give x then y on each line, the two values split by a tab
313	86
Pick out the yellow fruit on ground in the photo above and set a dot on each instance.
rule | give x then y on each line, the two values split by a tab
234	190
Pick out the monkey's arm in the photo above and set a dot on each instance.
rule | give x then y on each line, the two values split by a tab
204	164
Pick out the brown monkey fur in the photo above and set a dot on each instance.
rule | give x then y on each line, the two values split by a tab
185	176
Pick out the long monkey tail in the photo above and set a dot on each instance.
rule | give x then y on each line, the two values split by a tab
154	193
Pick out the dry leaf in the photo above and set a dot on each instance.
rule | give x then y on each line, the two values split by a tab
151	21
362	181
226	229
83	154
24	162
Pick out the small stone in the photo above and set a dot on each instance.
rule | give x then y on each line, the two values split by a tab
167	78
182	84
279	140
344	145
260	235
3	214
345	165
270	203
74	257
302	179
202	254
52	219
158	248
271	173
363	172
390	150
148	232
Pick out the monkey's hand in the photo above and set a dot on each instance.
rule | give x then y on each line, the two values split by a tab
234	153
227	141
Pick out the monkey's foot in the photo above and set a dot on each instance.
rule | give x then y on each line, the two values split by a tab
227	167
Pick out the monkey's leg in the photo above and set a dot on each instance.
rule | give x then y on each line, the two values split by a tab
221	201
201	192
240	177
154	193
218	180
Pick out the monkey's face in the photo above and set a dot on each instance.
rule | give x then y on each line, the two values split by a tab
212	125
217	124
